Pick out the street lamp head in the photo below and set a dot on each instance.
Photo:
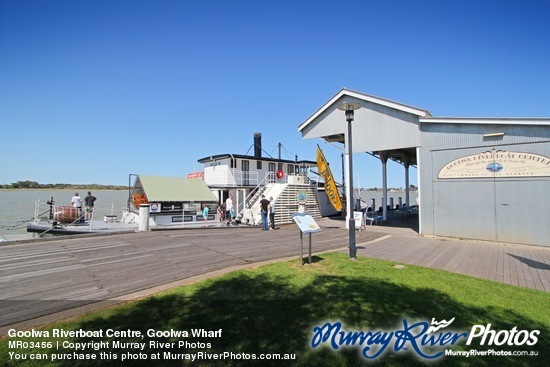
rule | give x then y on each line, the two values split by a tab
349	107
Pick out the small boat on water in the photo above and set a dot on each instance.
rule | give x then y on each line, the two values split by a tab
170	202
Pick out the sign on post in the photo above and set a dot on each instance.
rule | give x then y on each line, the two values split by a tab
358	217
306	224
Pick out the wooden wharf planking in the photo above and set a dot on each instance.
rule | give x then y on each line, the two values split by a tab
41	277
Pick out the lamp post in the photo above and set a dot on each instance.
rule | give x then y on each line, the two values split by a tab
349	108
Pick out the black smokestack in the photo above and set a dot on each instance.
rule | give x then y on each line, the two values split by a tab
257	145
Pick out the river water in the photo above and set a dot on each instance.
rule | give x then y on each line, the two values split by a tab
17	206
368	195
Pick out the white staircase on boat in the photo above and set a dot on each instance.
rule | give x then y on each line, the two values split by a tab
286	202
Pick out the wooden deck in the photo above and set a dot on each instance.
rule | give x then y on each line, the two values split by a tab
518	265
41	281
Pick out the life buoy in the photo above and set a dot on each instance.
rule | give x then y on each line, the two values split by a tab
280	174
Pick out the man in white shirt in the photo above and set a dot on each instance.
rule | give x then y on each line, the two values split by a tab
228	209
77	203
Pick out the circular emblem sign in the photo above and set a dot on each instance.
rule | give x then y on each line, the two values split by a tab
301	197
494	167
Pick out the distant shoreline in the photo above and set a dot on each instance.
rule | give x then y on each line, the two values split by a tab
28	184
80	188
65	188
113	187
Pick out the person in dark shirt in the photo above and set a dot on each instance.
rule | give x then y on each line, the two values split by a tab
89	201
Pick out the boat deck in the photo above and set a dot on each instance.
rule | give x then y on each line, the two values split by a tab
96	226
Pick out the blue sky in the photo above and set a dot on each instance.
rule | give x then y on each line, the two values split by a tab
91	91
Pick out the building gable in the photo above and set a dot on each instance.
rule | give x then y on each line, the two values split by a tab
380	124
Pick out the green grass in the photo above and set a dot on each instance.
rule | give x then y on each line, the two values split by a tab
273	308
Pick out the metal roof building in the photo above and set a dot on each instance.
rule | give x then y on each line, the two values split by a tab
478	178
168	189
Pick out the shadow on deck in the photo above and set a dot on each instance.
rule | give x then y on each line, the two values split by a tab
393	221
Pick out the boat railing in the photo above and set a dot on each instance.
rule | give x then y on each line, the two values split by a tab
256	192
245	178
38	215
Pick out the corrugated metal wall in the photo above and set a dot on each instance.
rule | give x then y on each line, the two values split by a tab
515	210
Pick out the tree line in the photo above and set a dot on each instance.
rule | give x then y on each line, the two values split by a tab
35	185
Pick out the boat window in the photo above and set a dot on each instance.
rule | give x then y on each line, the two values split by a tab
171	206
201	218
271	167
177	218
245	167
258	164
192	207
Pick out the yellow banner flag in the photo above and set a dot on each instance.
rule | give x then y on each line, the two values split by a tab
330	186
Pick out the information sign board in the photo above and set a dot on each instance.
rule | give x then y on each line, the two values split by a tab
306	223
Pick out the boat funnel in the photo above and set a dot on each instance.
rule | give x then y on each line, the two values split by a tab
257	145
